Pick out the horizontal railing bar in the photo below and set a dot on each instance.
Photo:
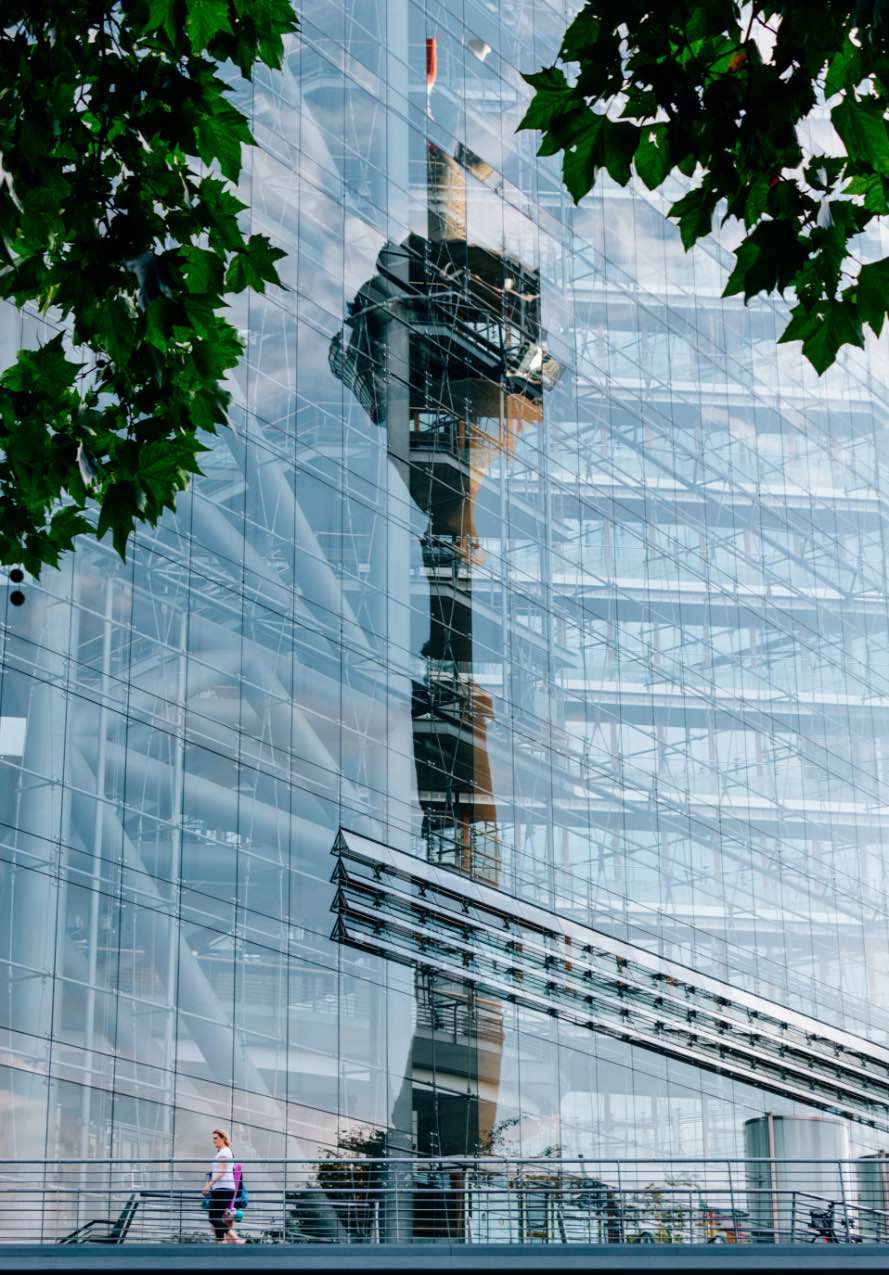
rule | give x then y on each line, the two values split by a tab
458	1159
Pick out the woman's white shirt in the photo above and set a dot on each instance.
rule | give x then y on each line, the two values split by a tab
227	1181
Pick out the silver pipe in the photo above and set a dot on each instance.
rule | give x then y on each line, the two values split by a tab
92	968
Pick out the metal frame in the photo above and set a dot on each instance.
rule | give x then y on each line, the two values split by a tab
468	1200
404	909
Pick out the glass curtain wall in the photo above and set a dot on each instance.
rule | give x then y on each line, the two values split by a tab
527	555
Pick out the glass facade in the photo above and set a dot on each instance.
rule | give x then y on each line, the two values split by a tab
527	556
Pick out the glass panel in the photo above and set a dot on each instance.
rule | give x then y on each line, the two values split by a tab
528	555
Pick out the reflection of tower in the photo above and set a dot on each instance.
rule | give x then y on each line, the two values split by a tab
444	349
477	370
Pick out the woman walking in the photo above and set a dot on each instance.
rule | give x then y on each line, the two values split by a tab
221	1189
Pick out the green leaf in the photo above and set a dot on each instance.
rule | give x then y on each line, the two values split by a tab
162	15
639	105
581	36
836	324
872	293
652	158
619	142
159	323
551	78
755	203
221	209
43	370
566	130
804	322
862	129
67	523
841	327
202	269
255	266
204	19
119	506
220	135
873	188
553	97
579	164
746	256
115	330
845	71
694	212
767	260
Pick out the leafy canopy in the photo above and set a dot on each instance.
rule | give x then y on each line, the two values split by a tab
107	223
717	91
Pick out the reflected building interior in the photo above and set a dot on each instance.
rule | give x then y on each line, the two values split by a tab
530	561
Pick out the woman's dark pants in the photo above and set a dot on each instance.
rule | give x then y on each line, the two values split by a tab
220	1202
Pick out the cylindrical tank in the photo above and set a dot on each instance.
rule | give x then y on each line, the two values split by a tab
796	1169
872	1181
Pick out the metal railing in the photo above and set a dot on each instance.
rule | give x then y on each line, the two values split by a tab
475	1200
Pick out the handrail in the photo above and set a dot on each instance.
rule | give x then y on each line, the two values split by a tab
345	1198
426	1160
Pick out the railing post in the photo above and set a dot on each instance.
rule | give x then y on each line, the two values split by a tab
397	1190
284	1203
521	1202
773	1177
731	1196
842	1172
